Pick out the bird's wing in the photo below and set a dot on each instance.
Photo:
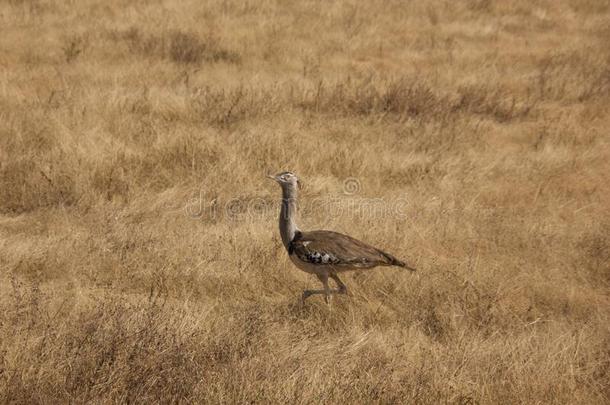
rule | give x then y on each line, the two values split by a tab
336	249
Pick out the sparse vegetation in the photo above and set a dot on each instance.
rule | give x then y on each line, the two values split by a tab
127	130
73	47
178	46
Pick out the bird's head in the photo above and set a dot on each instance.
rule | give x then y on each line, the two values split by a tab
286	180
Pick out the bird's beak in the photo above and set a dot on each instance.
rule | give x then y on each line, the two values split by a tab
271	177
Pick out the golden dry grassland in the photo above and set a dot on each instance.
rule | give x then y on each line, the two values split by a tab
119	118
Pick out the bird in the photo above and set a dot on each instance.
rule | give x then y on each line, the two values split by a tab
324	253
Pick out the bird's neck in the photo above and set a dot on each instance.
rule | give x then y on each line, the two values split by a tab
288	213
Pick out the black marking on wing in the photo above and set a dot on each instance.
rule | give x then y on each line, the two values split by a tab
299	247
319	258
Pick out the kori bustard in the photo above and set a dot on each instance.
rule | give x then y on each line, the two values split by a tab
324	253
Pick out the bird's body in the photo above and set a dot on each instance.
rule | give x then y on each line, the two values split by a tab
324	253
332	250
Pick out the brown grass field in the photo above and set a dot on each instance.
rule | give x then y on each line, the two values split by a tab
140	259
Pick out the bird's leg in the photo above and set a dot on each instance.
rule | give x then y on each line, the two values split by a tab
342	287
324	280
309	293
327	291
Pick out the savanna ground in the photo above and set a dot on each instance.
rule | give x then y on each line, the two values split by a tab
490	119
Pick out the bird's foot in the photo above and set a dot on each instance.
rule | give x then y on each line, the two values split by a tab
306	294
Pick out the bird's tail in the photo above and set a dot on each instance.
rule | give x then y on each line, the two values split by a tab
392	261
398	263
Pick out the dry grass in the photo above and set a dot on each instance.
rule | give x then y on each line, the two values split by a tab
490	117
